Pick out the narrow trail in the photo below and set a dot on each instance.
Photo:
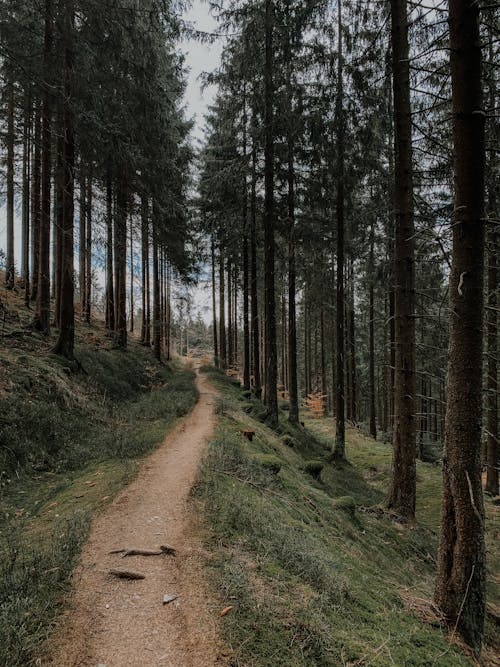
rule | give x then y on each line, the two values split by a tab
121	623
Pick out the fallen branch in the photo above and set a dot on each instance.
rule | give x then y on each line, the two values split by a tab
127	574
143	552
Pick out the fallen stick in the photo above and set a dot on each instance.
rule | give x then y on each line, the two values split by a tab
126	574
167	549
142	552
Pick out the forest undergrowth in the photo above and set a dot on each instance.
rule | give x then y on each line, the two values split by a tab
315	571
71	438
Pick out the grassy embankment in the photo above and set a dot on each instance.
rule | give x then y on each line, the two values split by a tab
316	574
70	438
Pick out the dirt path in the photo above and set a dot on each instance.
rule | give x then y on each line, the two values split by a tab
119	623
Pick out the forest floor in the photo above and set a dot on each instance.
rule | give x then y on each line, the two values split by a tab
122	623
314	569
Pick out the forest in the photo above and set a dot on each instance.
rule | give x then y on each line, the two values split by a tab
297	293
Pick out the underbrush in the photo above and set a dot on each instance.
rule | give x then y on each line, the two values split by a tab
316	576
69	440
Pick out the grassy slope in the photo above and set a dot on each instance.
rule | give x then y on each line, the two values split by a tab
312	582
69	440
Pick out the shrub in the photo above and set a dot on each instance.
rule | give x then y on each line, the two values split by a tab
314	468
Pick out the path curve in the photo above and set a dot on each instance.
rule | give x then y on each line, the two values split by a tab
118	623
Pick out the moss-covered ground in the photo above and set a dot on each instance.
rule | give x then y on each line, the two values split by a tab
71	436
315	573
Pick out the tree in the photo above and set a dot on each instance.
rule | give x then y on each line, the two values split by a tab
460	583
402	493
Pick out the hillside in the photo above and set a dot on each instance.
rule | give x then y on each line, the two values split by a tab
316	573
71	437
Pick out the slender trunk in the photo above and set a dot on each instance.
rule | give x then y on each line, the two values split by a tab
254	305
222	310
88	249
131	279
66	340
120	235
230	338
371	315
82	254
110	293
402	492
42	314
293	415
156	289
460	585
492	473
25	266
339	448
214	306
145	327
10	261
352	354
271	395
58	226
36	203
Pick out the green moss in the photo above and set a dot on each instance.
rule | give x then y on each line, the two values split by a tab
316	580
71	441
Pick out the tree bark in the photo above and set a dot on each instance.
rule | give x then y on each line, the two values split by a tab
460	583
110	292
156	288
339	447
10	261
120	252
271	375
25	265
36	202
254	305
222	310
371	315
66	340
88	248
214	306
402	491
42	313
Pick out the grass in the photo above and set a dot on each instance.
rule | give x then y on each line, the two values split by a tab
70	439
315	579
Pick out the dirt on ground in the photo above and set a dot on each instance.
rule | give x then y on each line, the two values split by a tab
116	622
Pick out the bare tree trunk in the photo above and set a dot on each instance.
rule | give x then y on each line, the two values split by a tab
402	491
66	340
339	448
145	327
42	313
254	305
36	203
371	315
156	289
110	292
222	309
214	306
88	248
25	266
10	262
82	254
120	252
460	583
271	395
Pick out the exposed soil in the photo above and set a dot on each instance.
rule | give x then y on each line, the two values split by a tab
114	622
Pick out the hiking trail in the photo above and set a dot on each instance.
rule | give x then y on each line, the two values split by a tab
114	622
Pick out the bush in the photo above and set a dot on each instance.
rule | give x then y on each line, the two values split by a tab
314	468
269	462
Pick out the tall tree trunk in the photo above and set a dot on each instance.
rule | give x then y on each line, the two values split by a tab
492	485
10	261
82	254
271	375
131	279
66	340
460	584
120	252
42	313
110	292
339	448
293	415
36	202
402	492
145	326
222	309
254	305
214	306
371	315
352	351
156	288
230	339
88	248
59	183
25	265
